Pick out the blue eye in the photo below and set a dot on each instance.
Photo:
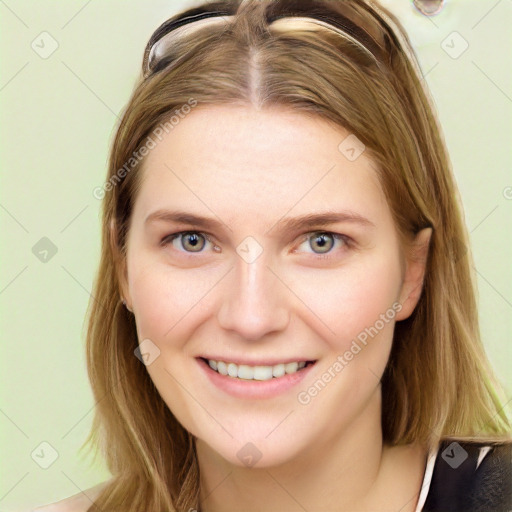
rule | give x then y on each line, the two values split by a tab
325	241
191	241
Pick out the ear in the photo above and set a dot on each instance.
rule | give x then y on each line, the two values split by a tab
415	265
120	265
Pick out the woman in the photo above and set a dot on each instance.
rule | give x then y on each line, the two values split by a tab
235	364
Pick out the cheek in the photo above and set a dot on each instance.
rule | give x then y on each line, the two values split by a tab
167	303
151	295
353	299
359	306
165	300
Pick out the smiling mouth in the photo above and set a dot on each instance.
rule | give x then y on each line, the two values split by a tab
259	373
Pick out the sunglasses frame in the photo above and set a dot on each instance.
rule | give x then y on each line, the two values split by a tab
341	25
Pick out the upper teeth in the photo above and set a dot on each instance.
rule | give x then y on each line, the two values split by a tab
244	371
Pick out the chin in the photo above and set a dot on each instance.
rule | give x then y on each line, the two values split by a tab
255	453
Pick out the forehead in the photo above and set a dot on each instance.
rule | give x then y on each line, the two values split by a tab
236	158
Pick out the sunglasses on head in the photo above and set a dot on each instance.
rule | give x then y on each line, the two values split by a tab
293	17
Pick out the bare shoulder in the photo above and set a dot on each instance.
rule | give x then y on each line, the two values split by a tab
77	503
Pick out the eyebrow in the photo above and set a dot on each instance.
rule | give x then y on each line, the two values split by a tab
285	224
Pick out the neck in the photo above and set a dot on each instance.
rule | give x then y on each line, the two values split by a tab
339	471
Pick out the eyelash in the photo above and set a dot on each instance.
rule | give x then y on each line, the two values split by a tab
347	241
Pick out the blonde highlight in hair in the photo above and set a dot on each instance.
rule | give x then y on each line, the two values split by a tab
438	382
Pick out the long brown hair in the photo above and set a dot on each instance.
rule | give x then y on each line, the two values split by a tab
438	382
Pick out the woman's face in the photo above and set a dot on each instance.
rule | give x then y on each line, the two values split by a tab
257	282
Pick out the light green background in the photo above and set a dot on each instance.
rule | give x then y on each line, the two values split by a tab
58	117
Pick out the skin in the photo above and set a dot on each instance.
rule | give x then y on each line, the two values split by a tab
248	171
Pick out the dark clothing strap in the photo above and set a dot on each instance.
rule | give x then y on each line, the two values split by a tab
458	485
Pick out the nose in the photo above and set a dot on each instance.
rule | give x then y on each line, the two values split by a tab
255	301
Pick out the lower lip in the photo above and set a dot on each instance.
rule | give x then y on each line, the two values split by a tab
241	388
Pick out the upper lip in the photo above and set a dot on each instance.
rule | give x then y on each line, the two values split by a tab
257	362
